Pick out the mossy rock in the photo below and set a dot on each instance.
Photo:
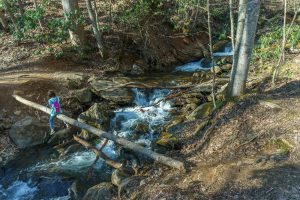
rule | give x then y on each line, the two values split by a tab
199	127
167	140
201	111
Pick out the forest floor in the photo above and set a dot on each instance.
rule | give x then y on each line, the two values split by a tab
249	149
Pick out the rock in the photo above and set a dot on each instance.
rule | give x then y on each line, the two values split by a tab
167	140
102	191
296	60
29	132
129	185
191	106
74	80
168	51
174	124
98	115
77	190
72	149
136	70
60	136
199	127
109	90
18	112
192	100
2	127
219	46
279	157
2	172
217	69
201	111
269	104
141	128
263	158
84	95
117	177
226	67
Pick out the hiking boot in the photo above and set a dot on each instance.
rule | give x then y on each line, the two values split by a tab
52	132
68	126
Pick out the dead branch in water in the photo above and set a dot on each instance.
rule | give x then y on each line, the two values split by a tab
99	154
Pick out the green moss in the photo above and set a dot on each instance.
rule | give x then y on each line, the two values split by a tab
280	144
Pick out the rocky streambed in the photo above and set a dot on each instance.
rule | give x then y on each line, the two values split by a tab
146	110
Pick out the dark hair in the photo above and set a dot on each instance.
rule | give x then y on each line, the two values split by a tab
51	94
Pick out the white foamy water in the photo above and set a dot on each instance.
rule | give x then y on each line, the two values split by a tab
227	51
123	123
146	111
204	64
18	190
200	65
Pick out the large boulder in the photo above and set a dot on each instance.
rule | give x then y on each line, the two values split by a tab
117	177
77	190
110	91
29	132
74	80
102	191
167	140
84	95
98	115
201	111
169	51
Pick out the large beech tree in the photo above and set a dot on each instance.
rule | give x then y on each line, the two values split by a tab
246	28
76	31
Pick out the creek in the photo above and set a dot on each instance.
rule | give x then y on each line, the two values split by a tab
39	173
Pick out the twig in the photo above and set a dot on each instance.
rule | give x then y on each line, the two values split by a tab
243	144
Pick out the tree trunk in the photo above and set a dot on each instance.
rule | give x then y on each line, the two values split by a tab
10	14
247	23
127	144
21	7
211	54
76	32
36	8
231	24
3	20
96	31
281	56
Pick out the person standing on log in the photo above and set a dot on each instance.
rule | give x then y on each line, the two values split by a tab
55	110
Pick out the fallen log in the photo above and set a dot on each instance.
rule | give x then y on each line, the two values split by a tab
127	144
108	161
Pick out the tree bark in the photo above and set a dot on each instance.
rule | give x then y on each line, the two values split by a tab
211	53
281	56
231	24
97	32
21	7
247	23
36	8
76	32
10	14
127	144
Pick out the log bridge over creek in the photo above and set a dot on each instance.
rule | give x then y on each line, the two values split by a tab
121	141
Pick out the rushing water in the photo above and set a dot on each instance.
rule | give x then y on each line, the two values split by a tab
40	174
205	64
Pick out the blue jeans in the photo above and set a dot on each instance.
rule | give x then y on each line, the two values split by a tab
51	121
